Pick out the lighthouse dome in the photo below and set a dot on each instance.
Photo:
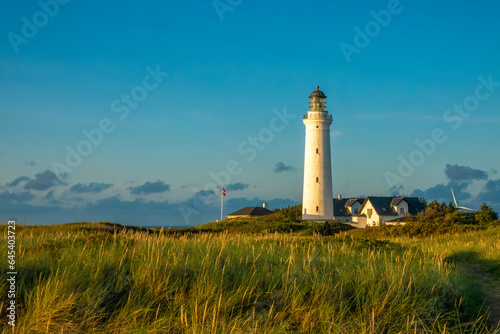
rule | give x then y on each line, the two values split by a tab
317	93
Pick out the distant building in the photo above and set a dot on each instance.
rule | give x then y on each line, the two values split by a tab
344	209
250	212
377	211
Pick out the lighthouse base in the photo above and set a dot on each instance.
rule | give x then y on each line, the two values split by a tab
316	218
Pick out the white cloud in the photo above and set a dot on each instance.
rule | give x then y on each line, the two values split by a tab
335	134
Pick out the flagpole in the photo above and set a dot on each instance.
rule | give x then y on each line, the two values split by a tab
221	202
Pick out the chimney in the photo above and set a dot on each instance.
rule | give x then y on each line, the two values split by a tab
264	205
340	197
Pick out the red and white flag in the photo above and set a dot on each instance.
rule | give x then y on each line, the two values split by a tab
223	192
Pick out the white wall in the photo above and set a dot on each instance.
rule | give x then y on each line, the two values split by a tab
359	222
403	205
317	190
355	206
376	220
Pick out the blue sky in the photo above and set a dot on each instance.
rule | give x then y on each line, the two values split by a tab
173	93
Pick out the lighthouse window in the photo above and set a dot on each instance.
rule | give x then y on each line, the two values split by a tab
317	151
317	208
317	179
317	126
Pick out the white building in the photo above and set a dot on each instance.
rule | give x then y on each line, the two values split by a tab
377	211
346	210
317	198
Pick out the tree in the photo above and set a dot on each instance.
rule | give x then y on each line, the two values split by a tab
424	201
444	214
450	208
486	215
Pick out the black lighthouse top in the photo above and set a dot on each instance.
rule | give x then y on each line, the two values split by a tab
317	93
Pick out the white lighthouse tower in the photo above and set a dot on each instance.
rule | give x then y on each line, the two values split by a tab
317	200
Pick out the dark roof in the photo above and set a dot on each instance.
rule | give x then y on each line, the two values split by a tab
397	200
317	93
251	211
351	201
339	207
414	205
383	205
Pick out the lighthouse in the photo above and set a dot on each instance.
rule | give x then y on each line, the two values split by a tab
317	198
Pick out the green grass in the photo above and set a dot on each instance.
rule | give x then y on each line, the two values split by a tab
266	225
253	276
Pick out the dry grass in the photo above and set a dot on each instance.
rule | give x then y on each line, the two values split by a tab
87	279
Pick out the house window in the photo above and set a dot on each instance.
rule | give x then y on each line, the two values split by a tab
402	211
356	211
369	211
317	179
317	208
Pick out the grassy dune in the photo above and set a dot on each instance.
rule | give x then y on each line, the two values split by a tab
100	278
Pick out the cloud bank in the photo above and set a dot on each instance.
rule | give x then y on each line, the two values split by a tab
92	187
463	173
281	167
150	188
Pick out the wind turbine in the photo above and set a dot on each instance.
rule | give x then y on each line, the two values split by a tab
460	207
